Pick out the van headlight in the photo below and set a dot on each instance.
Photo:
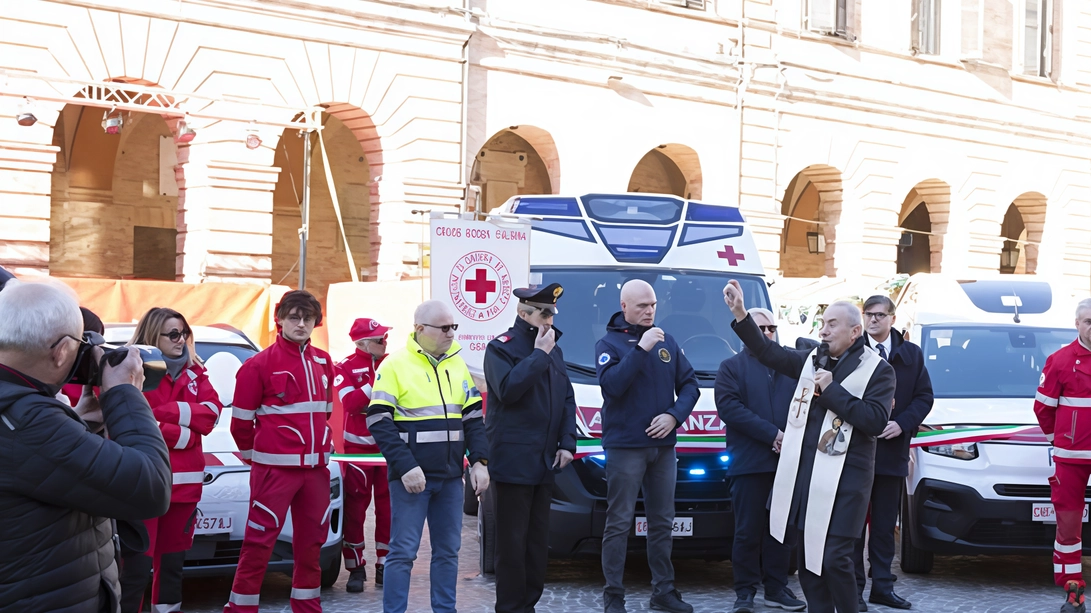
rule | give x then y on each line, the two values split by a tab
958	451
335	488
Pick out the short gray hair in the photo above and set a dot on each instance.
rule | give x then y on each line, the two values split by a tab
1084	305
427	309
852	312
760	311
33	316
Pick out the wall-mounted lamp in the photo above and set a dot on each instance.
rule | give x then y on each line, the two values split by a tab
1009	257
25	117
186	133
112	121
816	243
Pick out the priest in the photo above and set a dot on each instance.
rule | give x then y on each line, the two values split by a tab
842	402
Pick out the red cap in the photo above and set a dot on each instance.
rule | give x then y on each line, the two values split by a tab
367	328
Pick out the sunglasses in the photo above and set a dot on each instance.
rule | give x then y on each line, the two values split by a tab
377	339
768	328
175	335
445	329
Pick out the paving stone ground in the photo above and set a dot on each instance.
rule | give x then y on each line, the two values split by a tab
1009	584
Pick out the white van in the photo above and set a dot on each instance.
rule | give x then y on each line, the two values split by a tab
985	343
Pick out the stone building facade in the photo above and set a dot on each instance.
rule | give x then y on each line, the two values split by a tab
862	138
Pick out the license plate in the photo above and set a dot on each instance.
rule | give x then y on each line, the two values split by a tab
211	524
1043	511
683	526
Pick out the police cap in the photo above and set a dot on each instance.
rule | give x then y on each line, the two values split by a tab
540	297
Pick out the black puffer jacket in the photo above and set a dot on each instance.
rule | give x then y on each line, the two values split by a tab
59	487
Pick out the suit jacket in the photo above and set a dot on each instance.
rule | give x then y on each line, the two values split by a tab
868	416
530	411
912	403
752	400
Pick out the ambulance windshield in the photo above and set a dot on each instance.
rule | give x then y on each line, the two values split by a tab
989	361
690	308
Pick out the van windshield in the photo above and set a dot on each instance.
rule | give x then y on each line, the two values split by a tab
690	307
989	361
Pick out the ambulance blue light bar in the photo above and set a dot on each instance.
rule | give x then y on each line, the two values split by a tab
709	212
557	206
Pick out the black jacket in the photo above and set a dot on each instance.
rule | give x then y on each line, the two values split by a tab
530	409
752	400
60	485
868	416
637	386
912	403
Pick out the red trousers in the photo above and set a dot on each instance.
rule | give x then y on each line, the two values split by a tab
360	483
273	490
1067	487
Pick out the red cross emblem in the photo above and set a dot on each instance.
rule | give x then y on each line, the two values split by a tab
729	254
480	286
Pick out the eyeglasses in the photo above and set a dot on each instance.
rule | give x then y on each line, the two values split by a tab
876	316
445	329
58	342
175	335
546	313
89	338
768	328
295	319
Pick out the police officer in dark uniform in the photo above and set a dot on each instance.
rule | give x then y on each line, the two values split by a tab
531	424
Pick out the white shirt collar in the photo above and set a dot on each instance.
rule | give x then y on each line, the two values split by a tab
886	344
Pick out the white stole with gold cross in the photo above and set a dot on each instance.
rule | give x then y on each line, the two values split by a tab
826	473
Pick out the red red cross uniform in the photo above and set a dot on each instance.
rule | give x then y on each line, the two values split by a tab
354	376
1063	407
283	397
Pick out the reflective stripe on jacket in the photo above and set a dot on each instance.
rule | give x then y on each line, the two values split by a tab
354	377
1063	403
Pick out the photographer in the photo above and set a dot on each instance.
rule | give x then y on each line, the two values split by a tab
60	485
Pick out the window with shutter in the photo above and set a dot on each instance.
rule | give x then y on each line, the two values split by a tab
926	26
829	17
1037	37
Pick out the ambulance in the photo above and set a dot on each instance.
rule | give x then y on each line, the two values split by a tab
985	341
687	250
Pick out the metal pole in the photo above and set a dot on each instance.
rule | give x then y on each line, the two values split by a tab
306	211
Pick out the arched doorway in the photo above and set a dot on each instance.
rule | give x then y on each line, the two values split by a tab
1021	230
114	198
668	169
914	248
923	219
812	208
516	161
327	258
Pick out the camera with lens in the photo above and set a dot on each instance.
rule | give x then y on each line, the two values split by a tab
88	371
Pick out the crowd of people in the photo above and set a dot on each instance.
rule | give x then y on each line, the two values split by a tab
100	480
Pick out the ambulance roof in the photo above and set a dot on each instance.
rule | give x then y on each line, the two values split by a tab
636	230
991	299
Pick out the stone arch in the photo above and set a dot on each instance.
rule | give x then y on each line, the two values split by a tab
355	162
1021	233
515	161
935	196
113	212
811	205
668	169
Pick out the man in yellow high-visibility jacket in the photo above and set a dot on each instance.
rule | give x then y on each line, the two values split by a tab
425	413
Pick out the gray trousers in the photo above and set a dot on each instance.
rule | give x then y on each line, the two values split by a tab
656	468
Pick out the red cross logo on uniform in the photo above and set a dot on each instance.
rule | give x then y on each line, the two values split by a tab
480	286
729	254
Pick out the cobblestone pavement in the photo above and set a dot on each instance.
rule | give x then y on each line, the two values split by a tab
1010	584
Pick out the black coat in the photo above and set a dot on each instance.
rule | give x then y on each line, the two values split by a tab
530	409
60	485
752	400
912	403
868	416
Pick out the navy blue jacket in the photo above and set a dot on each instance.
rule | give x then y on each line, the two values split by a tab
912	403
637	386
752	400
530	410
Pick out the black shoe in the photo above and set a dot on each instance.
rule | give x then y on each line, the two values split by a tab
670	602
1073	602
784	600
744	604
357	576
613	603
379	568
889	599
863	605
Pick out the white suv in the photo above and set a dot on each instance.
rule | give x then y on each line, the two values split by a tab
225	500
985	343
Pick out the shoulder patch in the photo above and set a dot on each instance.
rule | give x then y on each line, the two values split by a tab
1042	380
339	379
503	338
604	359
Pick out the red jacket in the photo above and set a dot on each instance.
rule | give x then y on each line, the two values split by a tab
283	397
355	374
186	410
1063	403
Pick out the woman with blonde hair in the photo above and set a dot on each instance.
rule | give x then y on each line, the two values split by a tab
186	406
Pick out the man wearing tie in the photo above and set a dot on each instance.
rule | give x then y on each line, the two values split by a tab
912	403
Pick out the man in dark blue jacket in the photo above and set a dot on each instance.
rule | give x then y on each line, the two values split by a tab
648	390
912	403
531	425
752	400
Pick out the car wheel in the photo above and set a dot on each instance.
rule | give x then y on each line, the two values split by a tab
469	498
332	571
486	533
913	559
